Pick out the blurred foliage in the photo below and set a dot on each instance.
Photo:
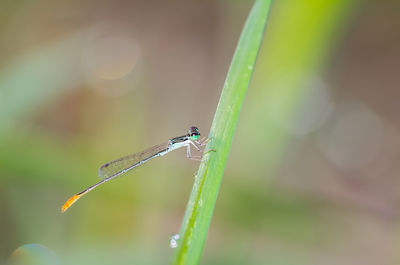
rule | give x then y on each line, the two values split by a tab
69	101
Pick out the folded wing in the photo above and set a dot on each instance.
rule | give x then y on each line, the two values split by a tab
126	163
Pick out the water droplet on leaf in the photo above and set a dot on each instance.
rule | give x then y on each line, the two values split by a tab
173	241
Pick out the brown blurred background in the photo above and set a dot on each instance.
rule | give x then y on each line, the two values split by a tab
312	176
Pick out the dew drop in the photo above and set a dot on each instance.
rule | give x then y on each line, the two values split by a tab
173	241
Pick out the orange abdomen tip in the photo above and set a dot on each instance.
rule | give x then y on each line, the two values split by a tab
70	201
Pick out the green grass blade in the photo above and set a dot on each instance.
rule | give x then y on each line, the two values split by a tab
208	179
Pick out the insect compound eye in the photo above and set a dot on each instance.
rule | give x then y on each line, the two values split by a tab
193	131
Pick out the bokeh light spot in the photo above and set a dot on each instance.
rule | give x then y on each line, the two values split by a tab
33	254
353	138
111	57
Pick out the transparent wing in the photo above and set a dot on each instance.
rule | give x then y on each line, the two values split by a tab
123	164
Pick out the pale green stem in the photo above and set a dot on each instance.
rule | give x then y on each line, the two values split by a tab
208	178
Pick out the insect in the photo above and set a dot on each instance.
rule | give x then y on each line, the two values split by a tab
124	164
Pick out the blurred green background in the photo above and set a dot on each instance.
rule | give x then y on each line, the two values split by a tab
312	176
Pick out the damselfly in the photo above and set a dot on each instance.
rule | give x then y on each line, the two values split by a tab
122	165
